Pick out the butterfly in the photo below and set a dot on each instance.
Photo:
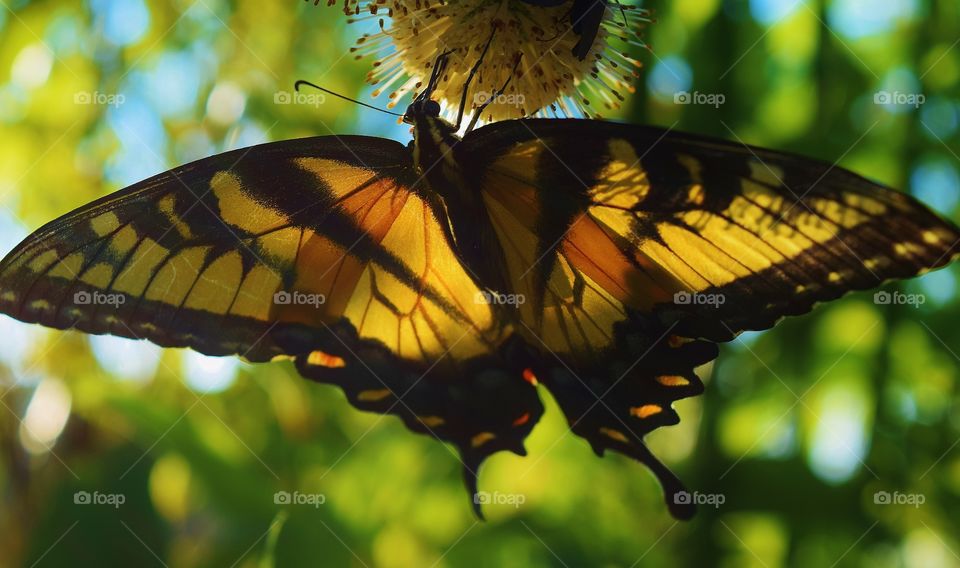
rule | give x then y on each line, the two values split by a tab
446	280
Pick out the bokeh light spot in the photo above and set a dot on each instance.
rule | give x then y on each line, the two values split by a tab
936	182
126	359
769	12
226	103
855	19
32	66
668	77
124	21
209	374
46	416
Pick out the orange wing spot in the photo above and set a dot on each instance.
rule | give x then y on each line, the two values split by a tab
481	439
614	434
523	419
431	421
646	410
322	359
675	341
530	377
373	395
673	381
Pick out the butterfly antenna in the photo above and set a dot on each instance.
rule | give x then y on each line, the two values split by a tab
296	87
496	95
466	84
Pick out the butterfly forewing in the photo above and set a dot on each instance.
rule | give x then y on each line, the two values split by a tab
713	236
227	254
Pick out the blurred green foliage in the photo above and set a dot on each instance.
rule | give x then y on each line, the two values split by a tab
800	426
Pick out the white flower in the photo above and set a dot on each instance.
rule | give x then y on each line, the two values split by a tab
532	45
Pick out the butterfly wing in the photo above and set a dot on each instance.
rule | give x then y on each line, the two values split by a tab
651	218
320	249
633	245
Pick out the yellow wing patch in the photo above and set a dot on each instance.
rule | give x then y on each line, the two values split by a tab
355	248
660	216
577	313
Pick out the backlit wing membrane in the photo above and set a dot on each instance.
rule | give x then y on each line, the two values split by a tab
634	248
317	249
233	253
603	260
715	237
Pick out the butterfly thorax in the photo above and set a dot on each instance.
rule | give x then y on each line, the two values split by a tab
433	142
440	159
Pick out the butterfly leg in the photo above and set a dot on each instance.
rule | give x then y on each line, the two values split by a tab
476	115
473	73
439	66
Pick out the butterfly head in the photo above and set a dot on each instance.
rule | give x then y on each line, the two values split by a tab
420	108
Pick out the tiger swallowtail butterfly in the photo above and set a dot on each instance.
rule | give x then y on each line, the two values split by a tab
443	281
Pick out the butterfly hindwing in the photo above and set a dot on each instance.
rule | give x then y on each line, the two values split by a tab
616	400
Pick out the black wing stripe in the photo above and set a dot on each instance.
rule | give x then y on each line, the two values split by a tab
87	265
767	282
799	201
819	251
95	315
